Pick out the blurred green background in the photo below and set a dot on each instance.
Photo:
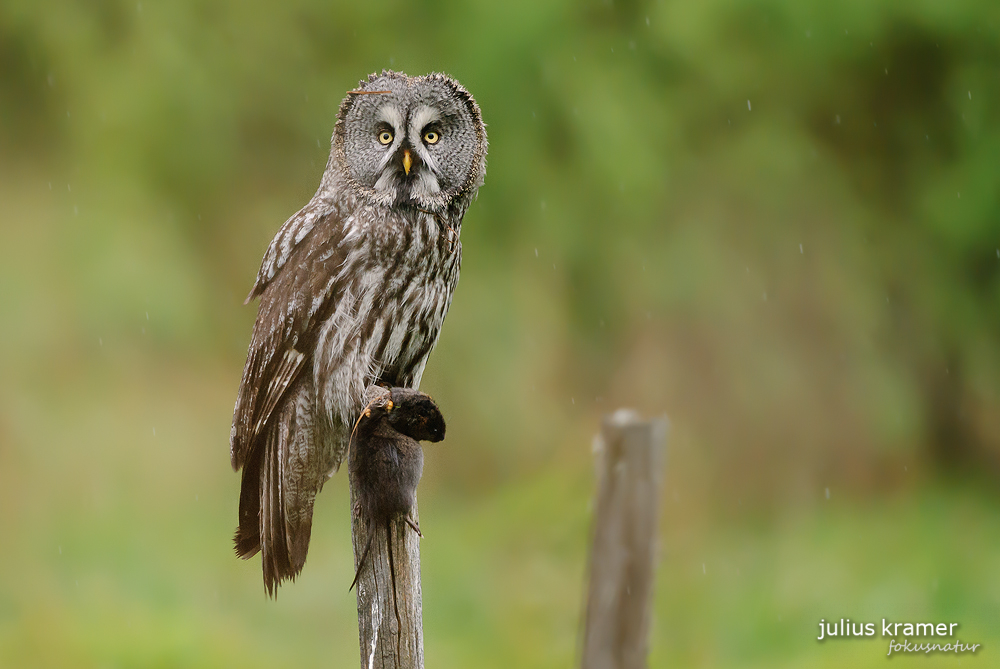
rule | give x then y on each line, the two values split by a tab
777	222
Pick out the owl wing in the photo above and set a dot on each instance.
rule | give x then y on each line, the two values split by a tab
298	286
273	436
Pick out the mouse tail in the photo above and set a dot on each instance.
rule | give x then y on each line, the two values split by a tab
364	555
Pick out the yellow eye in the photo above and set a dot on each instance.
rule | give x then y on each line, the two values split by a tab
431	137
385	137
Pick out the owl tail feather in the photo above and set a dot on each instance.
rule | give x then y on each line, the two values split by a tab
275	516
247	538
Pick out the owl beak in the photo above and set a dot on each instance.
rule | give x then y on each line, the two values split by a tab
407	161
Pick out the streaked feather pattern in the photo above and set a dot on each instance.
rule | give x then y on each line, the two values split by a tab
353	291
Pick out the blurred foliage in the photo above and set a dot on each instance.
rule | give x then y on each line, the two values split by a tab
776	221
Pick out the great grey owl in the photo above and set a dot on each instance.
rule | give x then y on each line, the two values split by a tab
353	291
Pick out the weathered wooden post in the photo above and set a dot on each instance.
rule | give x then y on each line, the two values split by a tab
630	454
384	645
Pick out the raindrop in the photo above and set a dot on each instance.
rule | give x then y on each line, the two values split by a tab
536	253
959	196
50	185
703	570
147	315
196	498
748	106
836	119
828	493
60	550
765	296
647	20
572	401
800	249
154	431
76	210
68	189
100	341
970	95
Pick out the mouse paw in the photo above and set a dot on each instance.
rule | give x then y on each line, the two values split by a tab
414	526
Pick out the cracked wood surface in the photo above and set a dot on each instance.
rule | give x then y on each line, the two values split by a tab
384	645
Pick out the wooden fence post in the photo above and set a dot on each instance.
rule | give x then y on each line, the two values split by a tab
384	645
619	601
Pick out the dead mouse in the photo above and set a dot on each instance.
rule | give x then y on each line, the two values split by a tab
386	461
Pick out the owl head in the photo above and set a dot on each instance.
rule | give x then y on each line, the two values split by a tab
410	140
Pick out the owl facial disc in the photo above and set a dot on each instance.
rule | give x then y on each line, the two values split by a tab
411	141
407	172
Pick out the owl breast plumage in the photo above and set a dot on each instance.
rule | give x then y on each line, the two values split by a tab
353	290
